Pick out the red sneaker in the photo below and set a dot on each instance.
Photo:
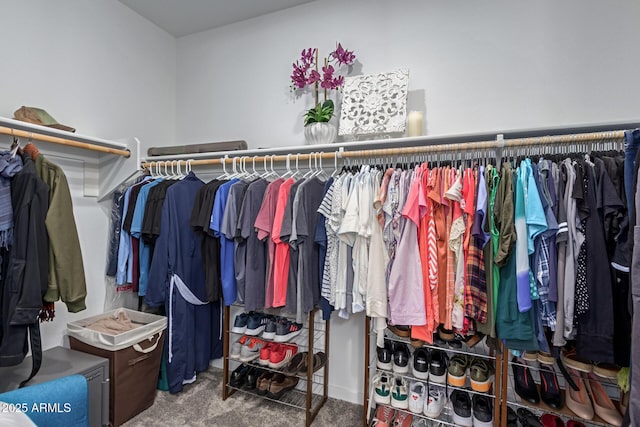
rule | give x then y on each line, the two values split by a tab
384	416
282	355
265	353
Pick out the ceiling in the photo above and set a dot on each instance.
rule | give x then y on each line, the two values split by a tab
184	17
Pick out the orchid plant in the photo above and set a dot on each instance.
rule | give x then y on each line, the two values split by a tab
306	73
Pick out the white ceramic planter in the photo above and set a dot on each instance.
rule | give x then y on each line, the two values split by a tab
320	133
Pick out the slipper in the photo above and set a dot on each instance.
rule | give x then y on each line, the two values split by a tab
319	360
298	364
473	340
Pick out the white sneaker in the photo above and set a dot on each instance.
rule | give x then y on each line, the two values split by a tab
434	402
382	384
399	395
416	397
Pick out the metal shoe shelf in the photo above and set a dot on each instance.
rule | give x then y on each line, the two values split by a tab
311	393
503	391
445	418
515	401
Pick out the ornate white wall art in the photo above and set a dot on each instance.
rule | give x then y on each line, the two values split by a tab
375	103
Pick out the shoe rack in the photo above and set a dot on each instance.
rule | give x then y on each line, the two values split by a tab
446	417
503	390
311	393
514	401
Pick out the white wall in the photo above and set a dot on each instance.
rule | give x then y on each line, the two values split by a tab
95	65
474	66
100	67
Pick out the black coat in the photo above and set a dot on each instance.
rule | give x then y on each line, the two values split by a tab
26	265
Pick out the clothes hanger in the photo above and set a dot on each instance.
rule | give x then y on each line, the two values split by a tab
335	164
288	171
274	174
254	174
309	171
223	162
15	146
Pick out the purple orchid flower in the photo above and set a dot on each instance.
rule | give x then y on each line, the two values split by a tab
342	56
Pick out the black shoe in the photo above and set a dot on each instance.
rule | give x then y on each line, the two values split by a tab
439	341
461	404
482	409
421	363
455	344
512	418
550	391
438	367
252	377
528	418
524	385
401	359
238	376
385	357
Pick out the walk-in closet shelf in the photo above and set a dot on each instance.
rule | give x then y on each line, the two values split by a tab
445	418
311	393
108	163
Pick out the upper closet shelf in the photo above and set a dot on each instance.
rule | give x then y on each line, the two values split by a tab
416	141
116	160
43	133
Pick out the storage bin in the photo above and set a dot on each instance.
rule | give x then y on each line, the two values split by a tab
134	359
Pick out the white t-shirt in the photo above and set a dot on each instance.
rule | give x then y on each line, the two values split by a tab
10	418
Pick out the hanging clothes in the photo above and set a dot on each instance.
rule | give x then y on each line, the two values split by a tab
66	270
26	264
256	255
226	259
177	281
201	216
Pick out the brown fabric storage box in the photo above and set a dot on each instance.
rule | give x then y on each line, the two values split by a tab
133	370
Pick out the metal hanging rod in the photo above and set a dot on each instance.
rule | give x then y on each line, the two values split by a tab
42	133
578	138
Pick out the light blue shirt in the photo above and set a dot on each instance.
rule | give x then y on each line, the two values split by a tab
227	266
125	255
136	231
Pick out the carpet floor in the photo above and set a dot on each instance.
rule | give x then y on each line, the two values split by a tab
200	405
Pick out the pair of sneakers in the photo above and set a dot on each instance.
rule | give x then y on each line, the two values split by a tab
430	365
277	355
386	416
279	329
471	413
481	372
252	323
389	389
247	348
426	400
393	356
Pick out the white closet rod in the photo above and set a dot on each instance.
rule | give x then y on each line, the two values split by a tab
498	143
25	130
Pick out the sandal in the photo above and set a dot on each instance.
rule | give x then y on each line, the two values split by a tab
297	364
319	360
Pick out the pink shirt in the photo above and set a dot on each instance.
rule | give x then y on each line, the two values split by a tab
406	293
264	224
281	254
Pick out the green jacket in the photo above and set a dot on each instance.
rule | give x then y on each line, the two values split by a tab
66	271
